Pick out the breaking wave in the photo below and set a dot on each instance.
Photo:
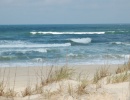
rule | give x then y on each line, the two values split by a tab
22	44
82	40
40	32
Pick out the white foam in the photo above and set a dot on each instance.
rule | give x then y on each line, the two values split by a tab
5	42
40	50
116	42
118	56
38	59
40	32
82	40
123	31
121	43
125	56
34	45
72	55
33	32
111	31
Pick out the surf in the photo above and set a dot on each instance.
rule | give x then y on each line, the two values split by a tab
56	33
35	45
81	40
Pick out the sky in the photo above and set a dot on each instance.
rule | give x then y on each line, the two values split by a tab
64	11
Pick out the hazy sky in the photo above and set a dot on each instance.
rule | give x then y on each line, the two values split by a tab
64	11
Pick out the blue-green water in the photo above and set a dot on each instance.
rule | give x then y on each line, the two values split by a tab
29	45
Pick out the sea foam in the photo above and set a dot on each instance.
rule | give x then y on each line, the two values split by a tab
120	43
40	50
72	55
82	40
40	32
34	45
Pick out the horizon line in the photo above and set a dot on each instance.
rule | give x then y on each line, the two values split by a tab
72	24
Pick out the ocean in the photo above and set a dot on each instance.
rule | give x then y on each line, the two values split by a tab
41	45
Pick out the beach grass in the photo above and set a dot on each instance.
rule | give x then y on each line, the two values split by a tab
125	67
58	74
101	73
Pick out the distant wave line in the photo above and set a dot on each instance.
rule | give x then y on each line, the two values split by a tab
56	33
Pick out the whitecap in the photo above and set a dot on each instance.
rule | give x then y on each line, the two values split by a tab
38	59
82	40
72	55
40	32
40	50
33	45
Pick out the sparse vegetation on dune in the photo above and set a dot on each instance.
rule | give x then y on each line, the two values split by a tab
61	79
101	73
118	78
56	74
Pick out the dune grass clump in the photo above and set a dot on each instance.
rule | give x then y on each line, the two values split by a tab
124	68
101	73
81	87
63	73
54	74
7	92
27	91
70	90
10	93
84	82
38	89
58	74
123	77
2	88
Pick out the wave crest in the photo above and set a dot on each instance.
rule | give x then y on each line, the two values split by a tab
82	40
22	44
40	32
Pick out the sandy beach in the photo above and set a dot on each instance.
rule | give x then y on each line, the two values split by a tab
19	78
